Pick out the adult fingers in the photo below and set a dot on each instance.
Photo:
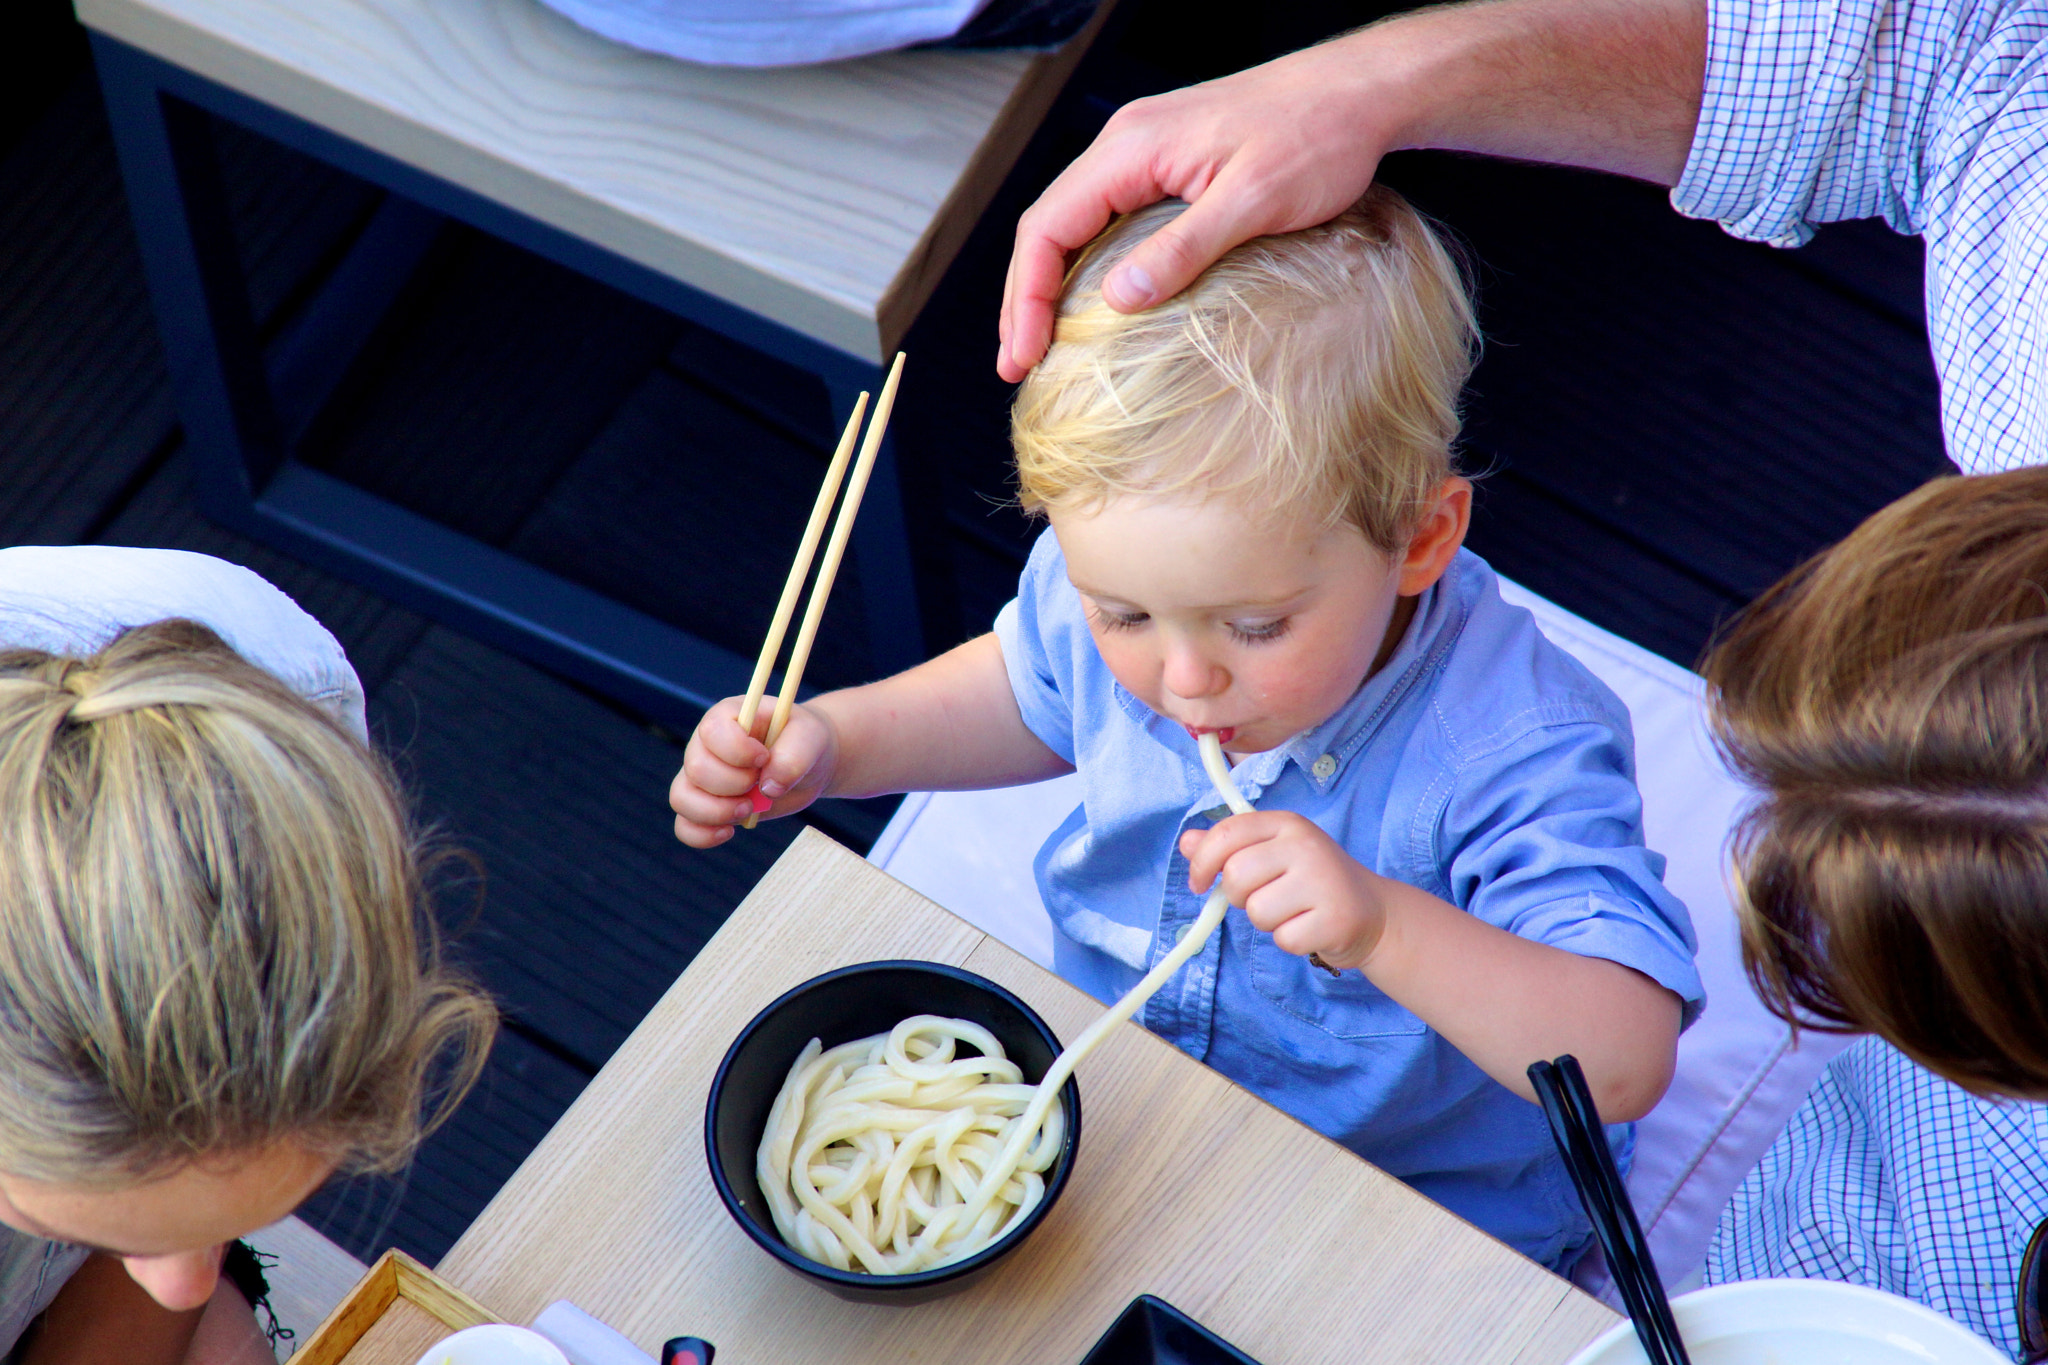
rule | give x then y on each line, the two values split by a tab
1111	177
1232	210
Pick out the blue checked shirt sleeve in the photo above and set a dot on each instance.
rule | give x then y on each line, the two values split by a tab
1932	114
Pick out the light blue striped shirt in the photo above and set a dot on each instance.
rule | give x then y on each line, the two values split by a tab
1892	1177
1481	763
1932	114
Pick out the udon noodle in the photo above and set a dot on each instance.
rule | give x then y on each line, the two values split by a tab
899	1153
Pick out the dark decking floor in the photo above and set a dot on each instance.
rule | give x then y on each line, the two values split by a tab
1670	418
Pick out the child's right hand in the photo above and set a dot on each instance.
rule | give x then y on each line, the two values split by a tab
723	766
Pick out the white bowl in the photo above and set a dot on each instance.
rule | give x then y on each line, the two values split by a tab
496	1344
1804	1322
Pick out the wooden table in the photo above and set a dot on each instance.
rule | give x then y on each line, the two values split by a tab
1187	1187
806	213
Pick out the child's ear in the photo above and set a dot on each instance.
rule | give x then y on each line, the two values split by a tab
1437	537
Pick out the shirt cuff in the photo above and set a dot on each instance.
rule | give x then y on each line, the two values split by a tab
1746	169
1594	926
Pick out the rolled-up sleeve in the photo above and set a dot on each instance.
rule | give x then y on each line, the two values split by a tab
1932	114
1543	837
1813	111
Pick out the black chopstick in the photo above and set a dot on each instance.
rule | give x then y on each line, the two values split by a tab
1582	1163
1575	1125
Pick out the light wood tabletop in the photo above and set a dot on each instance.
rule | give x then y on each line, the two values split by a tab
1186	1187
827	198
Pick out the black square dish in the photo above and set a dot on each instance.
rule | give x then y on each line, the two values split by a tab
1153	1332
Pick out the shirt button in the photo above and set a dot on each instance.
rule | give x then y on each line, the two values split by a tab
1182	932
1324	766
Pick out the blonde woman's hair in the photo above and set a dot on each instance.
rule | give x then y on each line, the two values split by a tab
212	933
1317	369
1890	698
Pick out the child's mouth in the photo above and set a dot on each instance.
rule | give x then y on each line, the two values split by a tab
1224	733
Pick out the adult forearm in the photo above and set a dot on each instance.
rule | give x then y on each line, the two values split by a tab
948	725
1609	84
1612	85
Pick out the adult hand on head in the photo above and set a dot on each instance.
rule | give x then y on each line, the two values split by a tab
1607	84
1280	147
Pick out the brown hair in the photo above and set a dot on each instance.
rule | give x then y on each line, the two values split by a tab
1317	369
1890	698
212	934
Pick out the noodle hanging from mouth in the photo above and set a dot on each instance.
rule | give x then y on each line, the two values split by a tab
894	1153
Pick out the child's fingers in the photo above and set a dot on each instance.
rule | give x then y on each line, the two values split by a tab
1304	930
719	735
702	836
1261	881
794	762
695	805
1208	851
720	767
1341	940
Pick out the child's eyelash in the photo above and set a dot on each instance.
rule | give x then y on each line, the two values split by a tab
1112	620
1264	633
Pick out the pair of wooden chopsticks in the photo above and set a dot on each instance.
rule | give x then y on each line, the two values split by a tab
800	569
1575	1125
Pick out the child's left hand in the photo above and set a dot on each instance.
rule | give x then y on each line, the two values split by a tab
1293	881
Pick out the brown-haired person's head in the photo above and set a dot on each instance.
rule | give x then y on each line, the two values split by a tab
1890	700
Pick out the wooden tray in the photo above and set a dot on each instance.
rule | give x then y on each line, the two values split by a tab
395	1312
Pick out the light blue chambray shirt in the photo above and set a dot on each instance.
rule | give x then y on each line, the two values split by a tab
1890	1176
1482	764
1930	113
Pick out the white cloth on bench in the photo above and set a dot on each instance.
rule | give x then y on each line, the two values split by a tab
769	32
1739	1077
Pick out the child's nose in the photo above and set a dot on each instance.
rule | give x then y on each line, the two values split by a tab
1191	675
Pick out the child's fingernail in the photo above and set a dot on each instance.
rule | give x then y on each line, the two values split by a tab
772	788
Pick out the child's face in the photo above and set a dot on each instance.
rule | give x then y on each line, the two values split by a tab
1259	626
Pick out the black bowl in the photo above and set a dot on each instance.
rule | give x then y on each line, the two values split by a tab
836	1008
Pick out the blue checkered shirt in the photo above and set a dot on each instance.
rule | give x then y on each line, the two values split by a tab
1891	1177
1930	113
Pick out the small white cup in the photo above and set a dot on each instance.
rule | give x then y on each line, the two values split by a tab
1803	1322
495	1344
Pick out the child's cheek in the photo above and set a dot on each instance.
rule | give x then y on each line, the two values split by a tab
1130	664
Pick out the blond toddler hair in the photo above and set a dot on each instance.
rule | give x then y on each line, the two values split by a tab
211	927
1312	370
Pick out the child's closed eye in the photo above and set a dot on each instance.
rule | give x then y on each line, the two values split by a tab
1259	632
1120	620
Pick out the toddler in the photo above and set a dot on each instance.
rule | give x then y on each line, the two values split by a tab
1256	530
